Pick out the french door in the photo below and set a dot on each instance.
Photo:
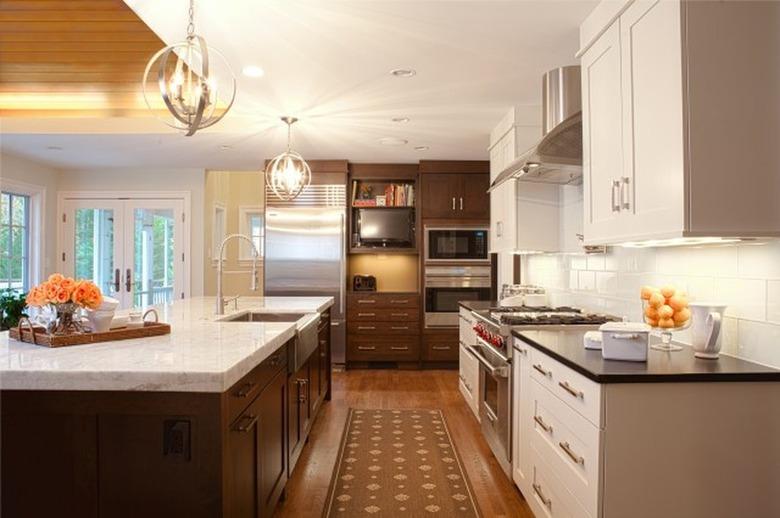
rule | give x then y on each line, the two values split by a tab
132	248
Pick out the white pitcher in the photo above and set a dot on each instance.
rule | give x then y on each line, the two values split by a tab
707	319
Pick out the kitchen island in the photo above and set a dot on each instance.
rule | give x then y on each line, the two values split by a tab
200	422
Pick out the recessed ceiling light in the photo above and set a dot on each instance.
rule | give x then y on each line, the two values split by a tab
393	141
253	71
401	119
403	72
421	148
54	148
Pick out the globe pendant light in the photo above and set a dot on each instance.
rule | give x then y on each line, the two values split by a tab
288	174
187	81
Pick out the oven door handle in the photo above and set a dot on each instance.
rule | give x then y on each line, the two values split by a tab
496	372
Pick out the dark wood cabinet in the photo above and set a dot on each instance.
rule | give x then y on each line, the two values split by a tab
440	345
383	327
455	190
298	410
272	406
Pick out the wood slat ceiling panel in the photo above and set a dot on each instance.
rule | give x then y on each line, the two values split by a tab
72	58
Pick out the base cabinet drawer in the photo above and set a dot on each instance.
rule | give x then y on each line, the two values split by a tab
368	314
380	330
362	348
441	348
549	497
383	300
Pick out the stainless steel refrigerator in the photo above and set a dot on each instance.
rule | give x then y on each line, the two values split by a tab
305	251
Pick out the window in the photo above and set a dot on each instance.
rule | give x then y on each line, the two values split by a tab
218	230
15	241
251	222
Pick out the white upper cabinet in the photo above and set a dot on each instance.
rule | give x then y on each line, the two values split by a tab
523	215
675	117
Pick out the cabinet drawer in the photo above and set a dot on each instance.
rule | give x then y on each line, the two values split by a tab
574	389
549	497
242	393
383	315
440	348
466	328
383	300
365	348
569	443
380	330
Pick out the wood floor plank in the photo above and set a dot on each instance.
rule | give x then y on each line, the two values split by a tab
307	489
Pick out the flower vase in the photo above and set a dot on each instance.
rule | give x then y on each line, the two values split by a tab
67	321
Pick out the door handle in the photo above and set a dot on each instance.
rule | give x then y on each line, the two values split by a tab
461	203
625	204
117	283
573	456
615	194
453	203
542	370
499	229
571	390
538	490
128	280
247	423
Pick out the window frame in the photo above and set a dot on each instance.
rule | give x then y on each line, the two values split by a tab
244	251
36	245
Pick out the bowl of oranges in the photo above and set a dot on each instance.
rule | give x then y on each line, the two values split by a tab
665	309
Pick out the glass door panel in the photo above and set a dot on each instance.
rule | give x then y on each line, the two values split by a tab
153	256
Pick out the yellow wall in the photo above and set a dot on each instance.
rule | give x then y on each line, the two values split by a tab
392	272
231	189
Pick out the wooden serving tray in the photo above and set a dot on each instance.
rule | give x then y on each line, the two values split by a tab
26	332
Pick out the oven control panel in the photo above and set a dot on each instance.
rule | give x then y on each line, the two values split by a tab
494	339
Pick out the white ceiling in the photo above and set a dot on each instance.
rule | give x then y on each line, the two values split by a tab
328	63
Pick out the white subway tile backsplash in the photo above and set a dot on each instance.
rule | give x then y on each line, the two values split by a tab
759	341
760	260
578	262
773	301
746	298
587	281
595	262
574	280
606	283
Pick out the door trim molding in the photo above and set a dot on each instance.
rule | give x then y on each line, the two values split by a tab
121	195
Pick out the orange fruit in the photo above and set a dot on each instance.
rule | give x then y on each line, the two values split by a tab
666	323
682	316
656	300
647	291
678	302
665	311
651	312
668	291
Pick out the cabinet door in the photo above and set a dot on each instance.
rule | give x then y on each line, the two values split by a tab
295	433
440	195
324	354
314	381
272	405
473	198
522	469
652	186
602	152
244	447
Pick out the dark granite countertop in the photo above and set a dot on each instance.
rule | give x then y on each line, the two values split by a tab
681	366
478	305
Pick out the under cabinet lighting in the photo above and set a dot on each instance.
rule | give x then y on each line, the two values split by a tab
681	241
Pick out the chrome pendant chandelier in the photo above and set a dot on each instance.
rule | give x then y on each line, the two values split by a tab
186	74
288	174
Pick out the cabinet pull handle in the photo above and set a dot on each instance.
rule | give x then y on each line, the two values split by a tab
246	390
399	328
546	427
366	314
246	423
524	352
546	501
625	203
399	314
441	347
366	348
499	228
571	390
576	458
453	203
366	328
461	204
398	348
538	367
366	301
615	191
399	301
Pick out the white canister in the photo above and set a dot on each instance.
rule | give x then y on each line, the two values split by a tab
625	341
592	340
707	319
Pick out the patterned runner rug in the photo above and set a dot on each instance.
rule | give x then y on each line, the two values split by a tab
398	463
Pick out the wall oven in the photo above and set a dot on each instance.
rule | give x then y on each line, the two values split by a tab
445	286
461	244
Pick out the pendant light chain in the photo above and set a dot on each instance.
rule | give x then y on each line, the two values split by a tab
289	136
191	25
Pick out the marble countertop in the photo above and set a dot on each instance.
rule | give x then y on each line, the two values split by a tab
660	367
201	354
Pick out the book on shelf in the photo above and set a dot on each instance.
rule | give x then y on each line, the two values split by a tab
396	195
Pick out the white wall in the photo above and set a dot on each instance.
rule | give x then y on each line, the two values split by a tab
20	169
149	179
744	276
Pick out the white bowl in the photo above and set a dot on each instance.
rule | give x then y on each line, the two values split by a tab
119	321
100	321
108	304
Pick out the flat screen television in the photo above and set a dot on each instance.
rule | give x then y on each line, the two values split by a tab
385	227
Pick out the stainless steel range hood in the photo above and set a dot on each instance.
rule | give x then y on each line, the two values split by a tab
557	157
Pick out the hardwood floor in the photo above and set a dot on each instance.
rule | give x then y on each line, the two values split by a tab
307	490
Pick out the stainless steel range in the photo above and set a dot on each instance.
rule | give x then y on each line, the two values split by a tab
494	353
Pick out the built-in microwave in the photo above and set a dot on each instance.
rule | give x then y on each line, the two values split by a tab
461	244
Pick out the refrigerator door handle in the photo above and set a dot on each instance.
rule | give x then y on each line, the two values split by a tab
342	268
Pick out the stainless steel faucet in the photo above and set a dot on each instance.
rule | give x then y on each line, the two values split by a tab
255	254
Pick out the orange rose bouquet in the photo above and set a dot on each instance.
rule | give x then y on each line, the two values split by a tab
66	295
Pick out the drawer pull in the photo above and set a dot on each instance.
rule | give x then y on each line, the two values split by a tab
398	348
571	390
441	347
399	314
538	367
366	328
247	389
366	301
524	352
399	301
576	458
366	314
399	328
366	348
546	501
247	423
546	427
